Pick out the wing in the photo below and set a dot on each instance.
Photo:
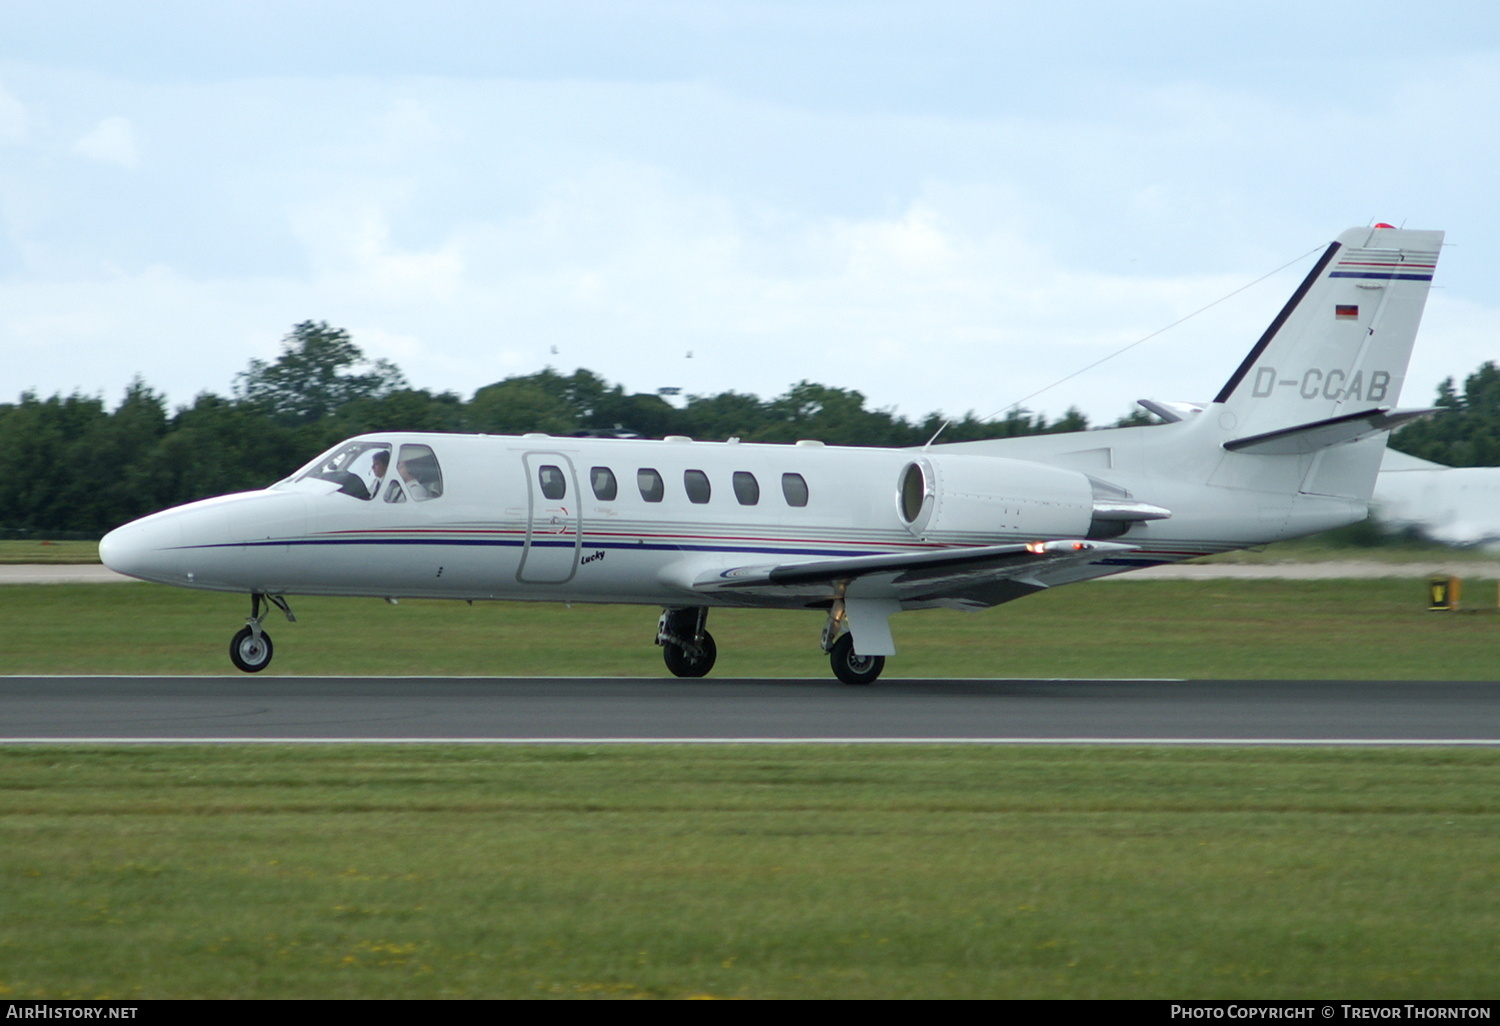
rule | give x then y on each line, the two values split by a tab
977	576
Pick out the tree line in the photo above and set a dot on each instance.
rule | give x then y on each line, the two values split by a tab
74	466
1465	432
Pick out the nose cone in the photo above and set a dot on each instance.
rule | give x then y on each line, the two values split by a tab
221	544
144	548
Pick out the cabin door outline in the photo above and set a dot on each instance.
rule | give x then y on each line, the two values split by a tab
554	527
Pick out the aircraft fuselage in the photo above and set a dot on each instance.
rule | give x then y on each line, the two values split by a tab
592	520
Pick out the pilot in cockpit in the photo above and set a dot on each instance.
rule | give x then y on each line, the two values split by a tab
380	464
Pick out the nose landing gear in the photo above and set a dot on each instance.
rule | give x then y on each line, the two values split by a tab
251	648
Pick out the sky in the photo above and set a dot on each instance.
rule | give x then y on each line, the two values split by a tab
945	205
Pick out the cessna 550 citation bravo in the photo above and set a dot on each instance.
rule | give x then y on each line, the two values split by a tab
1291	445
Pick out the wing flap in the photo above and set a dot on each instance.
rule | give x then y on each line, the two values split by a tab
909	576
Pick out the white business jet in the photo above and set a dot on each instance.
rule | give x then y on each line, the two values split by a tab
1291	445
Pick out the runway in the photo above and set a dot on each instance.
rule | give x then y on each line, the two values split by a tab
266	709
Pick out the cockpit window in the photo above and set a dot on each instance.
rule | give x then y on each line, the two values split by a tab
358	468
419	472
363	470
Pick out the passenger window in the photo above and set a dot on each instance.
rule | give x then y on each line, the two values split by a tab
603	481
393	492
746	488
795	489
418	469
554	485
650	484
697	486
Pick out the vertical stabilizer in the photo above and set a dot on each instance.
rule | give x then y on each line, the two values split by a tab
1307	413
1341	344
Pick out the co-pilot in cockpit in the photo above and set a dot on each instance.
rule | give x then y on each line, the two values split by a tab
417	475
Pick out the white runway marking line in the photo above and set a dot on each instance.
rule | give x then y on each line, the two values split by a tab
1206	741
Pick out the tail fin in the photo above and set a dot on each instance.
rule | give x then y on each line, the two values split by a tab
1340	346
1306	413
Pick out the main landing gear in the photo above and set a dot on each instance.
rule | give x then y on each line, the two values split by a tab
687	649
838	642
251	648
851	668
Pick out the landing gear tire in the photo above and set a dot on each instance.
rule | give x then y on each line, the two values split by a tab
250	653
682	664
851	668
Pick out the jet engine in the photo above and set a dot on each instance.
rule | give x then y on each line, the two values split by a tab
971	499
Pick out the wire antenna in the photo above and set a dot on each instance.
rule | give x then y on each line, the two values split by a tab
939	431
1146	338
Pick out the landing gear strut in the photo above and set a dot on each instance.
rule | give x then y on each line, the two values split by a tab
251	649
686	648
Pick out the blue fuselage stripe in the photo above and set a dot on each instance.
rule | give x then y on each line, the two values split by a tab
540	544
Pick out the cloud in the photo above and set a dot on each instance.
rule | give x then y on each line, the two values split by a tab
112	141
1457	336
947	260
14	119
365	253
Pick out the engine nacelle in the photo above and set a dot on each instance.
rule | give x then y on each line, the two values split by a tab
971	499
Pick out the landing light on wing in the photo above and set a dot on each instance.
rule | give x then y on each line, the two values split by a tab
1041	548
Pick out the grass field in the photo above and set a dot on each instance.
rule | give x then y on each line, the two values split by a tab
791	871
44	551
750	871
1370	629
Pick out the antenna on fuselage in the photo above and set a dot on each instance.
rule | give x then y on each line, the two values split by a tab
939	431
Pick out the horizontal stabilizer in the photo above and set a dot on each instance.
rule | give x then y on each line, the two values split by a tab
1320	434
1170	412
